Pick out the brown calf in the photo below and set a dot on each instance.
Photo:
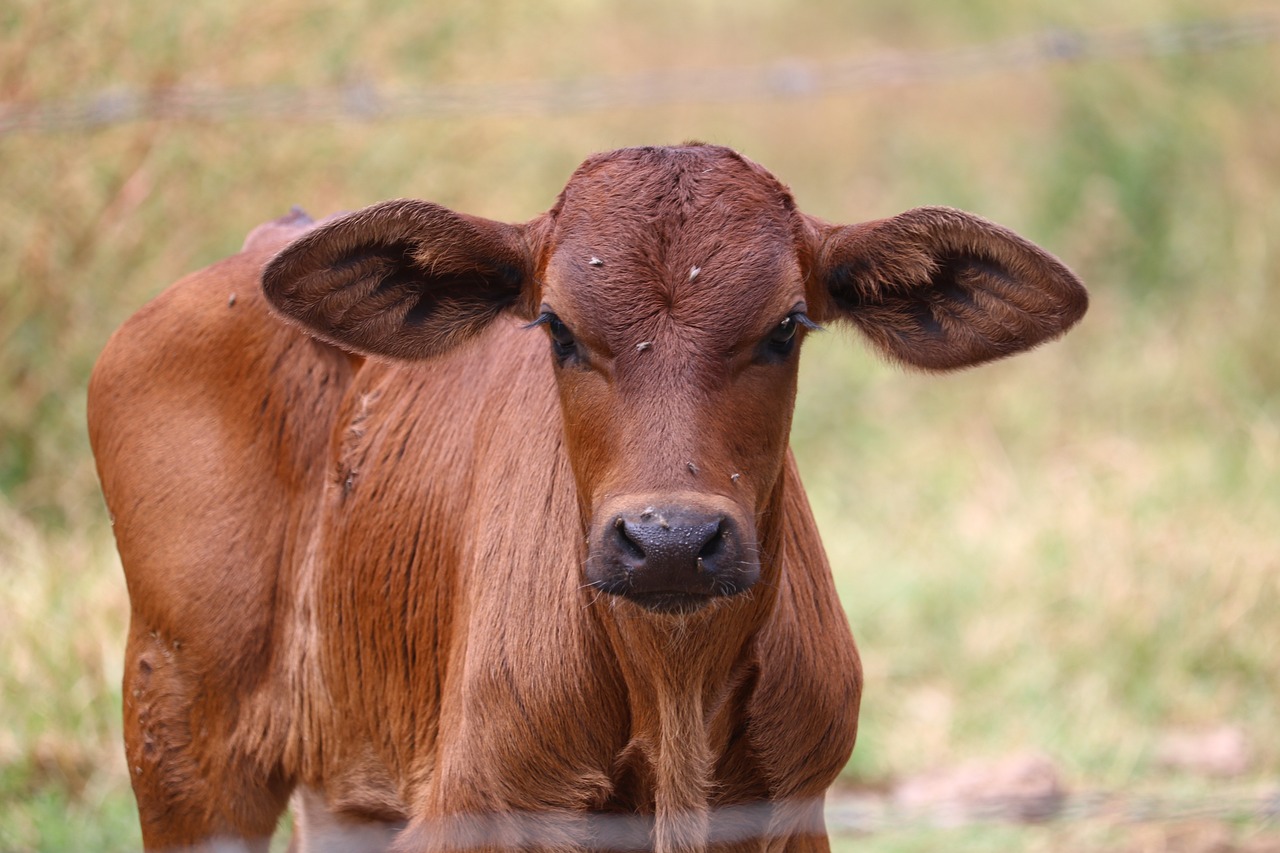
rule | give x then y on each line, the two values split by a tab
494	541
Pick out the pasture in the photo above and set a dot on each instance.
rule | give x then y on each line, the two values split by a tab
1074	552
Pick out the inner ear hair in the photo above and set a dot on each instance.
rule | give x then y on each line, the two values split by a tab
403	279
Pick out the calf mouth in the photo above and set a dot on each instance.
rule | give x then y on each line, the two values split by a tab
667	602
670	603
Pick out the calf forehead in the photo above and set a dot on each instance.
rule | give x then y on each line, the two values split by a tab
693	237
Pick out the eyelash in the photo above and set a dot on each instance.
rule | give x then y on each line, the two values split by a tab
563	342
782	340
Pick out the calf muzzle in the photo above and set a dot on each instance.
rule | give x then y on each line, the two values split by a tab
672	558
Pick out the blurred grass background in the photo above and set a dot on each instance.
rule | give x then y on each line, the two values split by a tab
1074	551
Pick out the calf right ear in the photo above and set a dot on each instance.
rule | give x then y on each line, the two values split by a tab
403	279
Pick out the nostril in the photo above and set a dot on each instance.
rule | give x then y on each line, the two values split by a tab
715	542
630	545
666	544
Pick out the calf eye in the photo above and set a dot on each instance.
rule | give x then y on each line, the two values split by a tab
562	341
561	337
784	333
782	340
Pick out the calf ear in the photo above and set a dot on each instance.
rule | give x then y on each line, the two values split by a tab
940	289
405	279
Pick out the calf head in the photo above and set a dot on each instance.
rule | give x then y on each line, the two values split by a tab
675	287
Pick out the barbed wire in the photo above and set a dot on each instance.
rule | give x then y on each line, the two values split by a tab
859	815
366	100
845	815
729	825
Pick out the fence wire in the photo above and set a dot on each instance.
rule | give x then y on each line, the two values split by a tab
366	100
729	826
857	815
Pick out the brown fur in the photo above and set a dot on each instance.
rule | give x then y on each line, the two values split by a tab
366	579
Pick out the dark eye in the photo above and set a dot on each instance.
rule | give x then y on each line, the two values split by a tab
784	333
562	340
563	343
782	340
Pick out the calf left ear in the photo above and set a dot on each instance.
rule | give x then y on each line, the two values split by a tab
941	289
404	279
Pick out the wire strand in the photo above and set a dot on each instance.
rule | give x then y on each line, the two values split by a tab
365	100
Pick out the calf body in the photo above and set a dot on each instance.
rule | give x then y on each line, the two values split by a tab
486	536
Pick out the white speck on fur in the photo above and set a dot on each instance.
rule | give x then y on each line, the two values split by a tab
595	262
693	273
643	345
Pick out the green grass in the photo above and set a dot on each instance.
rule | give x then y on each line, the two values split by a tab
1073	551
1189	836
63	783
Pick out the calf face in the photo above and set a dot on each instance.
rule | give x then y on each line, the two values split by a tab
674	294
675	287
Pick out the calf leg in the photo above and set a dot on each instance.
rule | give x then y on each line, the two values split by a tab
196	788
318	829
